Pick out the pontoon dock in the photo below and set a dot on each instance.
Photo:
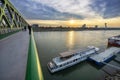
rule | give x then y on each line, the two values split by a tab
105	56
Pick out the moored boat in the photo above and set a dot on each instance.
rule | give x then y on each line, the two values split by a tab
70	58
114	41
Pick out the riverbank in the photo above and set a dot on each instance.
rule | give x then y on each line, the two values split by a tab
40	29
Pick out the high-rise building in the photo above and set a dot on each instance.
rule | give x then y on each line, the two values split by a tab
96	26
35	25
105	25
84	26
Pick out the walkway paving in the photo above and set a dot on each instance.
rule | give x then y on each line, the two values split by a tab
13	56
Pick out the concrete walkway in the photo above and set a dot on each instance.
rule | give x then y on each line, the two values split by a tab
13	56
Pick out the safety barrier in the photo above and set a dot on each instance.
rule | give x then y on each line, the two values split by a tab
33	71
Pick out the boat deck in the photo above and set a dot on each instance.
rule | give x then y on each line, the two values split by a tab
81	54
101	57
116	37
58	61
73	52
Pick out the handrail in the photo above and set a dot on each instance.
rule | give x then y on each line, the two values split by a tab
34	71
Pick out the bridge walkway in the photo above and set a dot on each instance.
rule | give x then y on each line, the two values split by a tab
13	56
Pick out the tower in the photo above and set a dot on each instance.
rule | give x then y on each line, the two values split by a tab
105	25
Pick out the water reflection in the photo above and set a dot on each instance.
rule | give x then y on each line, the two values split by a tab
70	40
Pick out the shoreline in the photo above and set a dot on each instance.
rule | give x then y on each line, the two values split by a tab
45	29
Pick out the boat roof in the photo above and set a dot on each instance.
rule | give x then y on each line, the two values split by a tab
58	61
68	53
72	52
104	55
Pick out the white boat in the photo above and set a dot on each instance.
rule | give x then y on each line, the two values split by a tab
70	58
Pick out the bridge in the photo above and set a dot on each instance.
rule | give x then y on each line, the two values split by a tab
18	53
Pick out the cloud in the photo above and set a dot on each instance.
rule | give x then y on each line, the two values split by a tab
107	8
112	9
66	9
78	7
35	10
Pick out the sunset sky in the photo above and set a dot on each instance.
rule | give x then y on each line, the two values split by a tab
72	13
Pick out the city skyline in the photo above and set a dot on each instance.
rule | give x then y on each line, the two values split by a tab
70	12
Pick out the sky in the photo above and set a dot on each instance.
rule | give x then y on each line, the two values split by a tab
73	13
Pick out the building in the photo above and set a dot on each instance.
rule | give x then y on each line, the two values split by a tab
96	26
35	25
84	26
105	25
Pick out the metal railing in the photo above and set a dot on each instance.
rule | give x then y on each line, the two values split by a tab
34	71
10	18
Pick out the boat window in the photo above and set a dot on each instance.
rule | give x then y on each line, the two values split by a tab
52	68
64	64
60	65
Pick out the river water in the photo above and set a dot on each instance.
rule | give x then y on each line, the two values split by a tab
50	44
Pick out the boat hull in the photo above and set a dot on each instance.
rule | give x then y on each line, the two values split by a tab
113	44
64	67
114	41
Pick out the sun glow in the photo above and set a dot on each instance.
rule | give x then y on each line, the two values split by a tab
72	21
112	22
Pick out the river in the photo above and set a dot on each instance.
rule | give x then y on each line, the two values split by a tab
50	44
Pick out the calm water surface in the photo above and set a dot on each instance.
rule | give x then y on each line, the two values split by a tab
50	44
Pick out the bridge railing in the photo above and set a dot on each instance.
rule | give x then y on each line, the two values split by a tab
34	71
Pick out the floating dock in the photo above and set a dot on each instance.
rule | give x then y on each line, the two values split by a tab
105	56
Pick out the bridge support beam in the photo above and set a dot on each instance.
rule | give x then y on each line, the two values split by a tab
10	19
